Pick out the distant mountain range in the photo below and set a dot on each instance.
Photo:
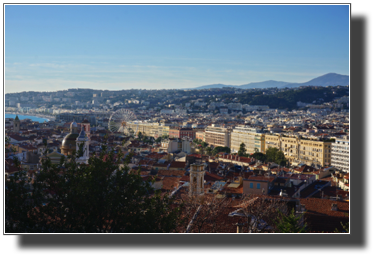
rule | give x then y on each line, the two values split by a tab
330	79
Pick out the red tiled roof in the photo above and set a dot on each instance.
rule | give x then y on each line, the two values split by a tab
236	158
155	155
319	216
304	168
261	178
170	183
161	165
171	173
229	190
185	178
27	147
18	138
146	162
177	164
212	177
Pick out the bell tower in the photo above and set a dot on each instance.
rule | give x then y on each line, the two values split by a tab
85	124
197	173
83	139
16	125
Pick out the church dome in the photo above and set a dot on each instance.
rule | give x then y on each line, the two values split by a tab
69	142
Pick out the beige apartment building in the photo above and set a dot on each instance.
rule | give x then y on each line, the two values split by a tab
217	136
200	135
290	147
272	141
298	150
254	141
149	129
315	152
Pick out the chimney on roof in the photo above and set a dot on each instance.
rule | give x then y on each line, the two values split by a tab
334	207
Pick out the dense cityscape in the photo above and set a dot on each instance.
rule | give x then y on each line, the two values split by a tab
219	160
177	118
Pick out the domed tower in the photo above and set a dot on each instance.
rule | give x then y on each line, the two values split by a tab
16	125
69	142
83	139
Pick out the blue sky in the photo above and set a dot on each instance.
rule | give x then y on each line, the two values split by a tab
55	47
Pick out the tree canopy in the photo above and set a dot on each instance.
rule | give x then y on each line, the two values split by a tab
275	155
242	150
259	156
216	150
290	223
103	196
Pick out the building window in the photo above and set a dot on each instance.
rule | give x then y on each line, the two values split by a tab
258	186
251	185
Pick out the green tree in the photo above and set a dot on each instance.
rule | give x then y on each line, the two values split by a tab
208	150
275	155
259	156
242	150
280	158
103	196
221	149
270	154
290	223
196	141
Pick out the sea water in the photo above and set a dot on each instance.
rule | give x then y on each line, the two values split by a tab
21	117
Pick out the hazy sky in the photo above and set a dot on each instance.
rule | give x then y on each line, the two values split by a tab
56	47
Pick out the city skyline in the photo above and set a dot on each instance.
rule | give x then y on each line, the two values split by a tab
171	46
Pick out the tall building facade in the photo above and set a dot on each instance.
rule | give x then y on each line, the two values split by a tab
340	154
217	136
200	135
315	152
254	141
149	129
297	150
181	133
272	141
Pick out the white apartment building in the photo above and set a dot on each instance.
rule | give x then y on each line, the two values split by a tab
340	154
250	136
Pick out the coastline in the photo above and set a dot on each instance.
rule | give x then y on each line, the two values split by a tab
49	118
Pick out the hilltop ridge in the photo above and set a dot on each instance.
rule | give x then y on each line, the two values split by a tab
329	79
